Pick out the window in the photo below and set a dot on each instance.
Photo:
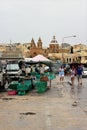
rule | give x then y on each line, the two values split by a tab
12	67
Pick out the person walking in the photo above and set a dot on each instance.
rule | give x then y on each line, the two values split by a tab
72	73
79	74
61	73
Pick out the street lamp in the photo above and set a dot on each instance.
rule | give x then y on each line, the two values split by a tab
63	42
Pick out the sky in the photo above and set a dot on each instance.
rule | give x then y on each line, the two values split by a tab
22	20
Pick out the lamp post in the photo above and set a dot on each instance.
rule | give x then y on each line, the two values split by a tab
63	42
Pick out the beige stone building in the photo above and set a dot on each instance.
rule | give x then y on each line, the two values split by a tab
38	48
54	51
79	54
11	51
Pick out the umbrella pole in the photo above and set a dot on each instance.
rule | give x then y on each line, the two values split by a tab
50	84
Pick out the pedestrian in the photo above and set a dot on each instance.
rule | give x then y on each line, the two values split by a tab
61	73
79	74
42	69
37	70
72	75
28	70
23	70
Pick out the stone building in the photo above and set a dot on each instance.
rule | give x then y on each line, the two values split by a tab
54	46
36	49
11	51
79	54
53	51
56	51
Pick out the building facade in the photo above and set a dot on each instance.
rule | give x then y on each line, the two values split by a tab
69	54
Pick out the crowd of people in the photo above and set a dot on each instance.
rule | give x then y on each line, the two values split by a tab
74	71
27	70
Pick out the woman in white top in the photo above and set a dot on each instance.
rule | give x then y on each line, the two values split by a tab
61	73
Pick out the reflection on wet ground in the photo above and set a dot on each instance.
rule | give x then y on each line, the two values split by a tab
76	91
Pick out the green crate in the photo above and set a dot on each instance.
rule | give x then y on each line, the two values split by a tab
28	83
46	73
41	86
22	87
25	85
21	93
13	85
33	73
38	76
51	77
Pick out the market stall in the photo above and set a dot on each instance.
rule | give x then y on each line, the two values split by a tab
36	79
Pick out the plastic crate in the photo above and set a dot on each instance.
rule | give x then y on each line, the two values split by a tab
13	85
21	93
28	83
51	76
24	86
38	76
33	73
41	86
12	92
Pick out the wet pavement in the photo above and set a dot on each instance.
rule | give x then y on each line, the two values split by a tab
60	108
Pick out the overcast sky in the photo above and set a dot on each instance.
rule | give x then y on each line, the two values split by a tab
20	20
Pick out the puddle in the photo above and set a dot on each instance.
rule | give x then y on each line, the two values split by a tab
7	98
28	113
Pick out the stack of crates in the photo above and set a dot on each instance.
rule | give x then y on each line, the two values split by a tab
23	87
13	85
51	76
38	76
41	86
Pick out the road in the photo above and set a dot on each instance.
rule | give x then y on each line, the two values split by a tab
52	110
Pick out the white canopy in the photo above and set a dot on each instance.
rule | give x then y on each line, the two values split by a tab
28	59
40	58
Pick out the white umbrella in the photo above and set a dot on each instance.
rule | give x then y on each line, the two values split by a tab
28	59
40	58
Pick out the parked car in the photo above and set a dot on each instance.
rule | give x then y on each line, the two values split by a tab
84	74
13	71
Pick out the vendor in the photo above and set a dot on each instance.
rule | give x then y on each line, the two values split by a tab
28	71
23	70
42	69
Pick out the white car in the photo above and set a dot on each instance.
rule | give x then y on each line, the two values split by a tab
84	74
12	71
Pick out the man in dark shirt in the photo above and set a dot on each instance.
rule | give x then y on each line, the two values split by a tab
79	74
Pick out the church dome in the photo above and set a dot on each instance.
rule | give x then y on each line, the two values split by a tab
54	41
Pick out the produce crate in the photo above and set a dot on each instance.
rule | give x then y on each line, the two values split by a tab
38	76
21	93
28	82
41	86
13	85
51	76
24	86
33	73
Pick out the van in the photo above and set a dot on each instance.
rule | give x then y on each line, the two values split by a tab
13	71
